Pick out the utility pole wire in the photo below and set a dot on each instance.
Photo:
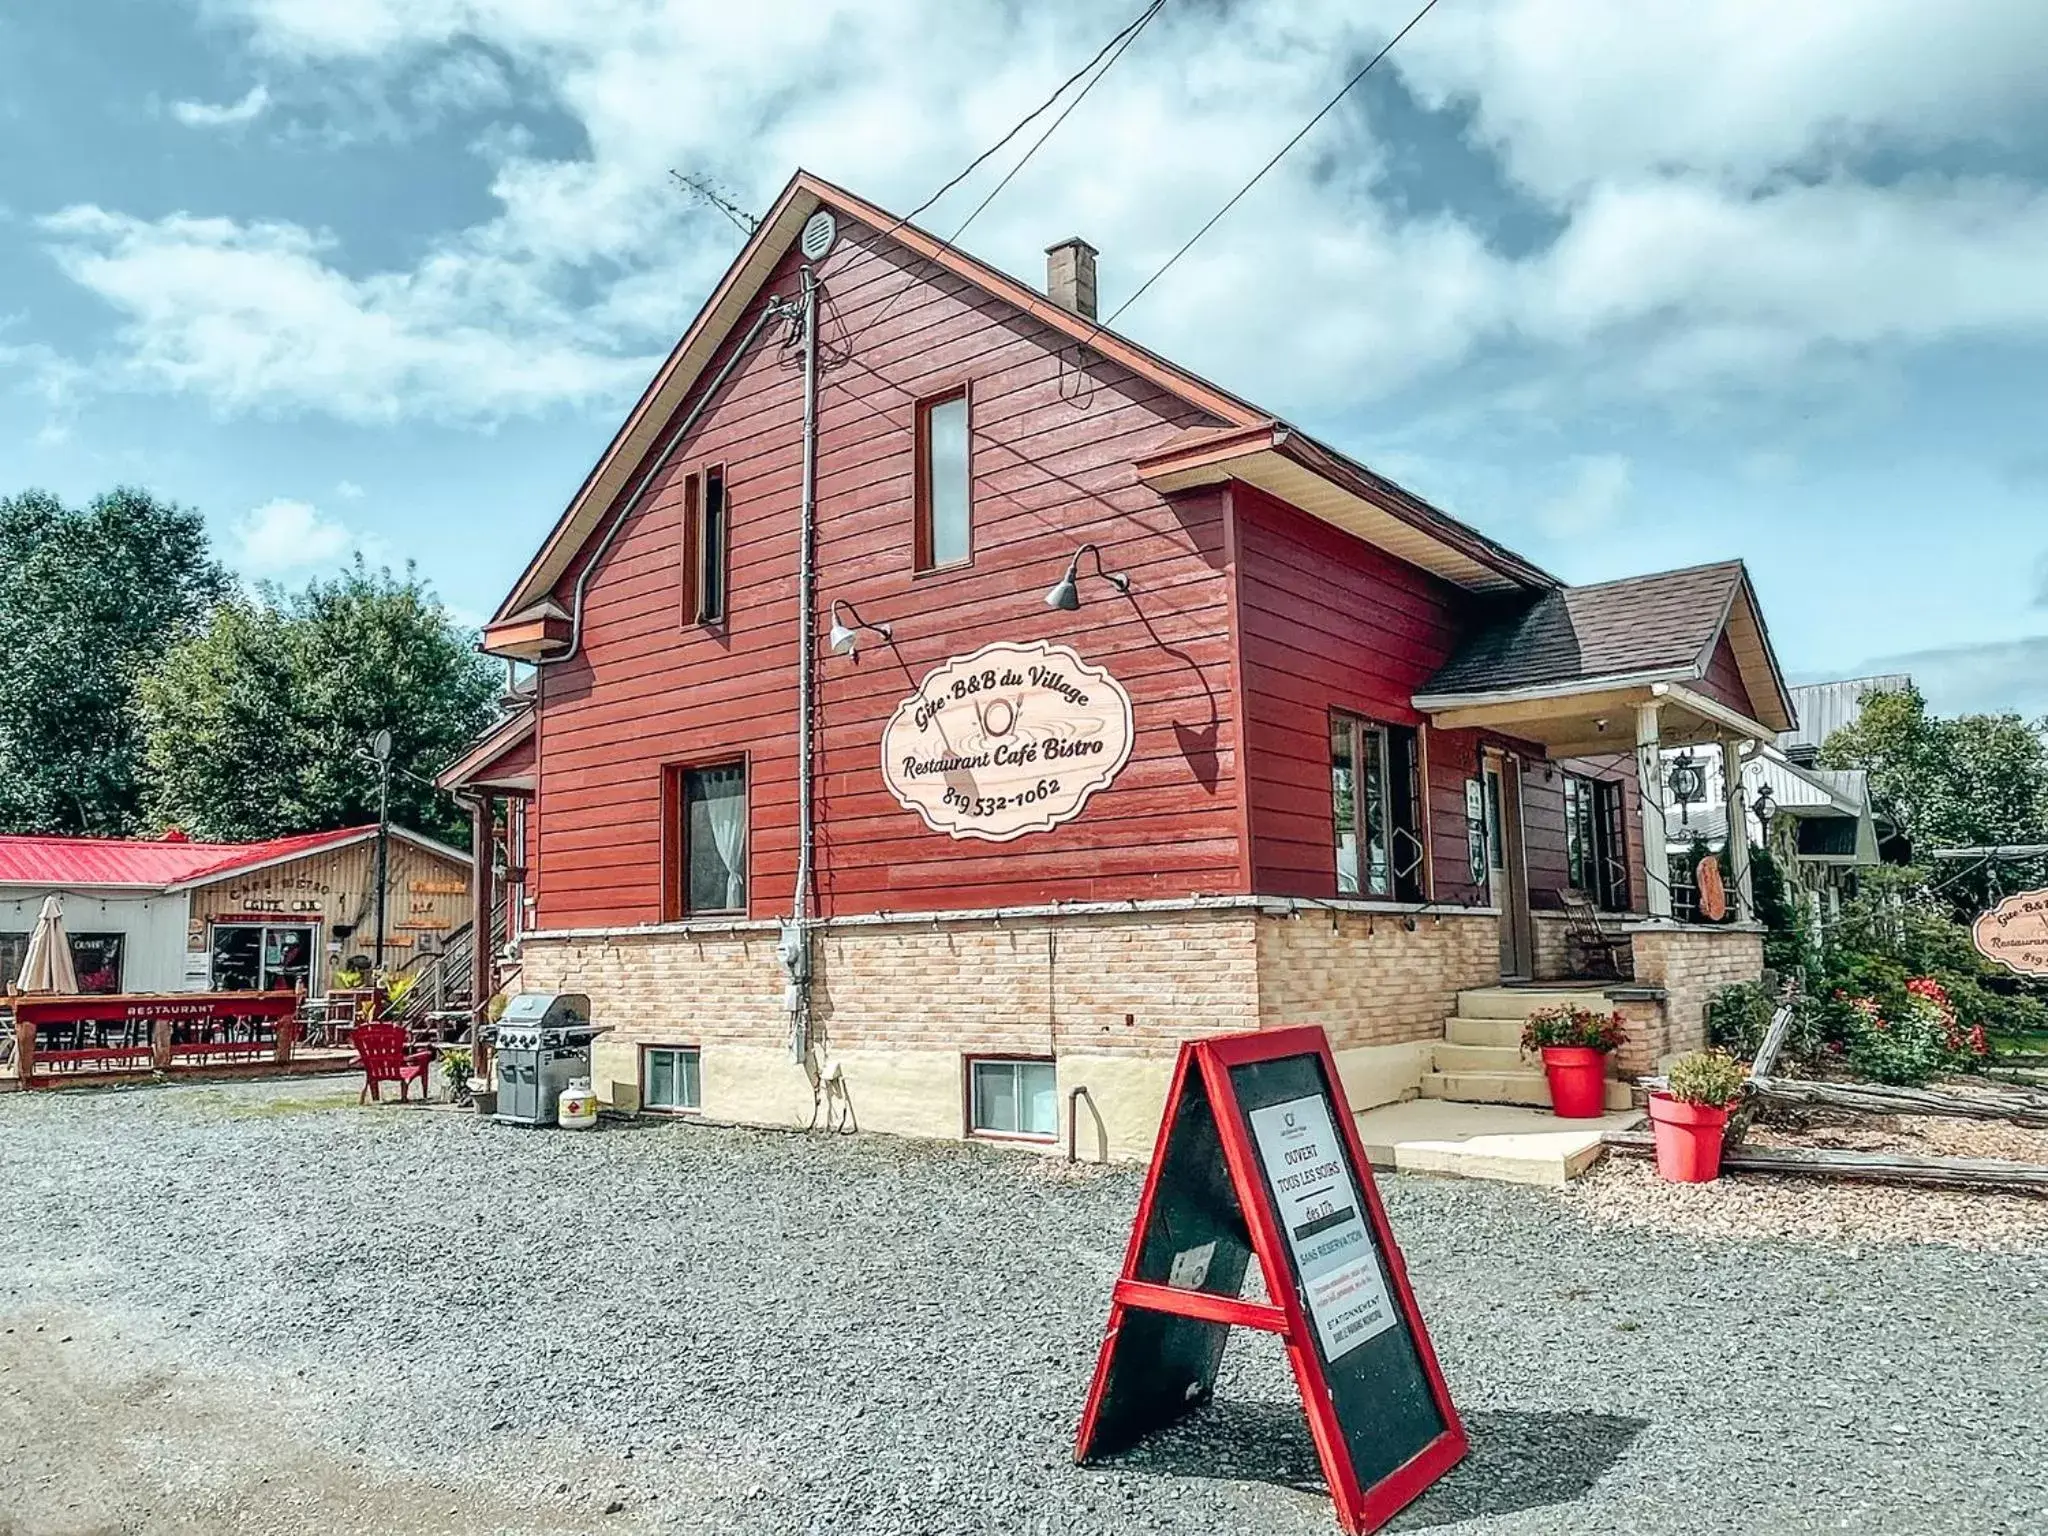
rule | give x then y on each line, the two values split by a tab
1110	51
1261	173
1130	30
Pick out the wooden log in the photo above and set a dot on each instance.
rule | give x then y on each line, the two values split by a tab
1773	1041
2014	1105
1872	1167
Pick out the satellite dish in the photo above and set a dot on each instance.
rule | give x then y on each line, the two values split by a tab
820	230
380	746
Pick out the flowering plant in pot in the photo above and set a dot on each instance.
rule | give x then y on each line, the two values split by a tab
1575	1044
1690	1116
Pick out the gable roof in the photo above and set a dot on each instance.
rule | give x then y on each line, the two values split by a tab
1661	628
171	864
638	436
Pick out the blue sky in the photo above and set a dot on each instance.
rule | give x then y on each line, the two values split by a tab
1628	287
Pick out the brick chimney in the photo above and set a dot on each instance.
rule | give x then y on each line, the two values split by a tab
1070	276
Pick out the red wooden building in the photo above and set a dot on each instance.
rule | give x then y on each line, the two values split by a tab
941	704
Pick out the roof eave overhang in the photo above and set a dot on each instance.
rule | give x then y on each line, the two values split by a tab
527	639
1296	470
473	769
1578	719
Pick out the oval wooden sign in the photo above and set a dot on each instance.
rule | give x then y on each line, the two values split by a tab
1713	894
2014	933
1010	740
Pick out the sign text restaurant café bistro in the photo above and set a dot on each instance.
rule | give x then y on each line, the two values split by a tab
941	705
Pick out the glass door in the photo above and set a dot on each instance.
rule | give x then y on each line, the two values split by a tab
262	957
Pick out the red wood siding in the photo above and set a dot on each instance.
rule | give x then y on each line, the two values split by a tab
1723	682
1051	466
1330	622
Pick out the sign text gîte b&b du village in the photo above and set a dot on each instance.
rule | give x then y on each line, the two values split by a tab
1010	740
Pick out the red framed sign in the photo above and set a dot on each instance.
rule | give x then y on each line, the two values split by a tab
1258	1159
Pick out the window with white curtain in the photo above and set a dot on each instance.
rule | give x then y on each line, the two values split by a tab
715	839
669	1077
1013	1098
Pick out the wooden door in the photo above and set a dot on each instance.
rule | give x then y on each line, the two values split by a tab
1508	870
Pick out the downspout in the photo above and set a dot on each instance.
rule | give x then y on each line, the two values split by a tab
797	941
773	310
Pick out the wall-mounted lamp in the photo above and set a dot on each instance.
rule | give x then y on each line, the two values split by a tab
842	638
1066	593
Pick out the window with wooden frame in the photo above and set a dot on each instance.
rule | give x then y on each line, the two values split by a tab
707	546
704	840
1012	1096
671	1080
944	490
1595	841
1376	809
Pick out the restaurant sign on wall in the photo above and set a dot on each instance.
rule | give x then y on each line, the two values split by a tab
2015	933
1010	740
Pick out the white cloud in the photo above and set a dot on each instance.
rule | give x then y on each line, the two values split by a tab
283	536
348	490
205	114
1595	498
1702	165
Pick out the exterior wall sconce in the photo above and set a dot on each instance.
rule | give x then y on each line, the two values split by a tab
1066	593
842	638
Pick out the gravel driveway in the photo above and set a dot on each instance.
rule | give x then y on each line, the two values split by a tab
261	1308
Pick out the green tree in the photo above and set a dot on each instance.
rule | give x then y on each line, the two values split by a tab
256	726
1966	782
89	602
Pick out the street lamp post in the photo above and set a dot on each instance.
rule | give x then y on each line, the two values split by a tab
380	753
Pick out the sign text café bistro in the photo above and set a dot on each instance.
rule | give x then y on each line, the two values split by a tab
929	746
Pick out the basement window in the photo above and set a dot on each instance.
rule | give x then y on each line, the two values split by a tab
945	525
1017	1097
669	1079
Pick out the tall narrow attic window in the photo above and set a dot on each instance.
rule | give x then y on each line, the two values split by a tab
945	533
706	542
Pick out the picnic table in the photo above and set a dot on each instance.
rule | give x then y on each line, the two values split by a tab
150	1032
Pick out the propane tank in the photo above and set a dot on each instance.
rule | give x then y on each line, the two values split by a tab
576	1110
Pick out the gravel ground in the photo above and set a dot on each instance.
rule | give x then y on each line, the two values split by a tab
262	1308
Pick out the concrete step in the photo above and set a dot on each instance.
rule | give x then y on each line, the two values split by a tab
1506	1088
1520	1002
1456	1056
1506	1032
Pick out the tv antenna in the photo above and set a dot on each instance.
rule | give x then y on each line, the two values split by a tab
704	189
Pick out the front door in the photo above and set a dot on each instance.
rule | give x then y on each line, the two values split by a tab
262	957
1508	870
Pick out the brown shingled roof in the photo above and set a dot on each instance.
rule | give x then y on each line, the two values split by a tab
1666	623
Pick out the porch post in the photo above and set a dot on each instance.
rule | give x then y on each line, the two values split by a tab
481	900
1737	797
1650	781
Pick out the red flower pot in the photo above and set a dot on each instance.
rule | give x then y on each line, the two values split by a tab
1578	1081
1688	1139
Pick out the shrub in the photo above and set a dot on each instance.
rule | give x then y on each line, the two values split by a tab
1910	1041
1706	1077
457	1067
1739	1016
1565	1025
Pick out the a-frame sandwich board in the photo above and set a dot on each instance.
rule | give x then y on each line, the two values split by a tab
1258	1158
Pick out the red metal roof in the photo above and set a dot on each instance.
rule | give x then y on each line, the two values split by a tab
148	865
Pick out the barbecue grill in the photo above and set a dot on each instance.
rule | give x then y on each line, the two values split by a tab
542	1043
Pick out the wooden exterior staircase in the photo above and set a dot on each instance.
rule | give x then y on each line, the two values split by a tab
1480	1060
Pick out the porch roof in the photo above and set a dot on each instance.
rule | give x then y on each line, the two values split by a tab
1560	669
502	759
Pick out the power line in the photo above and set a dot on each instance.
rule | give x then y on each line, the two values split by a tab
1110	51
1130	30
1261	173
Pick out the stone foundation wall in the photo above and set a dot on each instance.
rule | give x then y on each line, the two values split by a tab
899	1007
1691	964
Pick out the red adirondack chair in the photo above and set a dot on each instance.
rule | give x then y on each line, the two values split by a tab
382	1054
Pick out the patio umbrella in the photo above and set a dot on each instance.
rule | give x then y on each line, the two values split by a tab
46	966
